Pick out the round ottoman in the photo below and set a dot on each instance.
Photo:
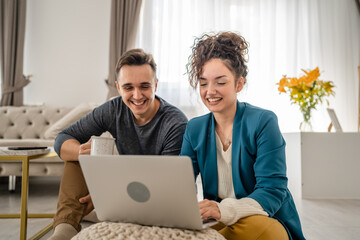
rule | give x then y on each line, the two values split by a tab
110	230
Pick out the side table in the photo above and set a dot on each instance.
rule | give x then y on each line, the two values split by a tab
25	156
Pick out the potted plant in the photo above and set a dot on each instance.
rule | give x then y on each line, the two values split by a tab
307	92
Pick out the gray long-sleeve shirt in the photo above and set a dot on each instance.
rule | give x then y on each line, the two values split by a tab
161	136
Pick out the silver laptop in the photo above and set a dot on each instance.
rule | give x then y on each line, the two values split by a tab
147	190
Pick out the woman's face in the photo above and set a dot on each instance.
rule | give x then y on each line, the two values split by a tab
218	90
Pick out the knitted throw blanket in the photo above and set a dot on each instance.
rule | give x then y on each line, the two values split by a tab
109	230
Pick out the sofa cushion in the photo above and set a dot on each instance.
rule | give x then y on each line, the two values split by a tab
70	118
28	122
39	167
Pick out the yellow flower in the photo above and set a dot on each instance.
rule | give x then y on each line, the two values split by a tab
282	84
293	82
306	91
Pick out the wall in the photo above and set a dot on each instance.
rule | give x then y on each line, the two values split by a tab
66	51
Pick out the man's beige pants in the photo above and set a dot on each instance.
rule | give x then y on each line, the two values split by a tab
72	188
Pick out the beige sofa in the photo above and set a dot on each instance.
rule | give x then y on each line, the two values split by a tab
35	126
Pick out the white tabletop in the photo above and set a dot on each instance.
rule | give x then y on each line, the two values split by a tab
4	151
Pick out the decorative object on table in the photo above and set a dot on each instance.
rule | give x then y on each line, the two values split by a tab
307	92
334	120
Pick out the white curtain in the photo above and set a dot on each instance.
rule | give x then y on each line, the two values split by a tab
285	36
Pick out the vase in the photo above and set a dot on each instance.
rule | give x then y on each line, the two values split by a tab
305	126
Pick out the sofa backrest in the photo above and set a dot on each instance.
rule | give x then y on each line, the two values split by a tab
27	122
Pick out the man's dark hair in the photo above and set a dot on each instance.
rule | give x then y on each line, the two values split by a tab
135	57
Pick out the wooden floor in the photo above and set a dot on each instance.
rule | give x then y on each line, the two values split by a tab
321	219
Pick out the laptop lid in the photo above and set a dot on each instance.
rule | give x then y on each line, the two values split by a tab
148	190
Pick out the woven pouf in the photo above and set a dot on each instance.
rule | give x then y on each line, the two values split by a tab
108	230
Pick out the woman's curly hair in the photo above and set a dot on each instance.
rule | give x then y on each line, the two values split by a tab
227	46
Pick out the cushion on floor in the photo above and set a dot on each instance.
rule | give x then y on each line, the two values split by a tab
109	230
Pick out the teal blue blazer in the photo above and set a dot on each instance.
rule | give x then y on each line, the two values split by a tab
258	162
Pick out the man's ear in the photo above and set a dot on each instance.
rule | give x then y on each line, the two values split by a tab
156	82
239	84
117	87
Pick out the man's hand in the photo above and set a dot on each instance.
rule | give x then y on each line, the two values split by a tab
87	200
85	148
209	209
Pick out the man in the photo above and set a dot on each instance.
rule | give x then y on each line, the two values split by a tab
141	122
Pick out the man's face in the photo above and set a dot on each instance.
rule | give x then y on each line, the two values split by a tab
137	86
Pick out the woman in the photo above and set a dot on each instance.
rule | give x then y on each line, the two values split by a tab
237	148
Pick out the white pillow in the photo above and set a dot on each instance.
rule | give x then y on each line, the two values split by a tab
70	118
